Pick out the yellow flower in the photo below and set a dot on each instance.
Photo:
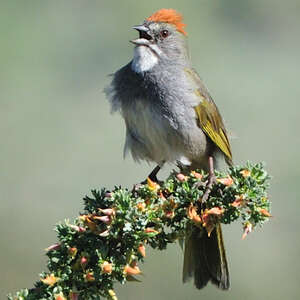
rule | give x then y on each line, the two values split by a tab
141	206
50	279
245	173
153	186
112	294
91	225
193	215
87	220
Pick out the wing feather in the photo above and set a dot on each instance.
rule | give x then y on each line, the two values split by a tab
209	118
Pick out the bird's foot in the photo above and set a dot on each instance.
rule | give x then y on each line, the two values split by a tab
152	176
151	179
210	182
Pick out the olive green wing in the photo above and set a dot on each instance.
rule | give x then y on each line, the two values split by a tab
209	118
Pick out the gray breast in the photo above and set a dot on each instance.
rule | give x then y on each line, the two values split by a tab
151	134
160	118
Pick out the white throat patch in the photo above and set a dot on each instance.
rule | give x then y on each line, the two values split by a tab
143	60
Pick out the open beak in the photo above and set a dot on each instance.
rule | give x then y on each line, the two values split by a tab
141	28
144	38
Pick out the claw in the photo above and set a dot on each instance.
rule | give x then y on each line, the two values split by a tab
153	175
211	181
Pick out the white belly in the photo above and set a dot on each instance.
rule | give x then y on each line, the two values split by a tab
154	137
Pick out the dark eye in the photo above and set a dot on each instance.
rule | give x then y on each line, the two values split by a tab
164	33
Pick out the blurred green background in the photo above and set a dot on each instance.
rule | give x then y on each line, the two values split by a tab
58	139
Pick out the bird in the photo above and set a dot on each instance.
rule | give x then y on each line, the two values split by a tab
170	117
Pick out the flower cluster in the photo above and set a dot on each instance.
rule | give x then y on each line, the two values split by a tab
105	243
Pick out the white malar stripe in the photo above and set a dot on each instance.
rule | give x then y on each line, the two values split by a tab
143	60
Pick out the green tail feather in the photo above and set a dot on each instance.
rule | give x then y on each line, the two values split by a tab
205	259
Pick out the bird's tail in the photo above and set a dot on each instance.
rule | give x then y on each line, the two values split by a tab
205	258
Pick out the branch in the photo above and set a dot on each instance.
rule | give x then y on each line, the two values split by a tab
104	245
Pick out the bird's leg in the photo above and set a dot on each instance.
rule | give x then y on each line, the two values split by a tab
152	176
211	179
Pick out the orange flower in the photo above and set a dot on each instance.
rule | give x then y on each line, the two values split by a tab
148	201
209	226
142	250
172	203
210	218
128	270
105	219
153	186
106	267
197	175
141	206
181	177
217	211
50	280
87	220
151	230
161	195
60	296
169	214
72	251
239	201
193	215
168	207
245	173
228	181
264	212
108	211
89	276
247	229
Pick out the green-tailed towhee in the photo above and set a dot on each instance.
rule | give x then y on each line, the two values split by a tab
170	117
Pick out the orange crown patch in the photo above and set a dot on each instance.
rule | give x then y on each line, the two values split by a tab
170	16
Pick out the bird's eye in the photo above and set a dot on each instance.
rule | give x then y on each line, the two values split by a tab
164	33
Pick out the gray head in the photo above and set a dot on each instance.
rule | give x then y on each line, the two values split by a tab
161	37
